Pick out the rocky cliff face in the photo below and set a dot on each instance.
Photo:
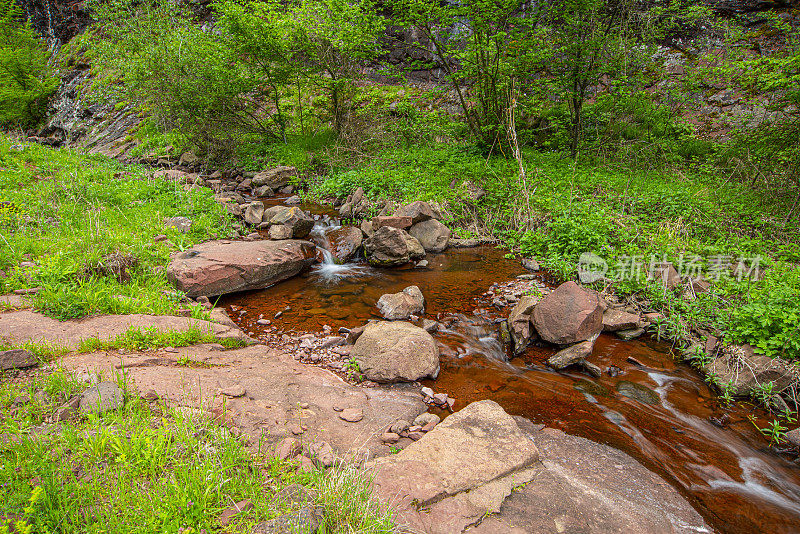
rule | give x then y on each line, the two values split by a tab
58	21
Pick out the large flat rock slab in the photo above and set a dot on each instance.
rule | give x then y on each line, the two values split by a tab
460	471
484	471
281	395
220	267
583	486
17	327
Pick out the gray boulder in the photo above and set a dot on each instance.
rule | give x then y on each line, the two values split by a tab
396	351
402	305
433	235
254	213
16	359
418	211
391	246
274	178
293	217
102	397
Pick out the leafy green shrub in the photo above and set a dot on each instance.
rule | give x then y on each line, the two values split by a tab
771	320
26	78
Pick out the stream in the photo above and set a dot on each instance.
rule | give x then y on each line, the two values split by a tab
656	410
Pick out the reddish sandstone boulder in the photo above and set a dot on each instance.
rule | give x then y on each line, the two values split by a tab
570	314
220	267
344	243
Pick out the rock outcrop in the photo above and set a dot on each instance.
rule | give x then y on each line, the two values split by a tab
396	351
486	471
402	305
221	267
740	368
570	314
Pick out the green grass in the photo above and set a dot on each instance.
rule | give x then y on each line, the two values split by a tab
67	212
132	340
147	469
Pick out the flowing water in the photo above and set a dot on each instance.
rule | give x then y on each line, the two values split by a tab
654	409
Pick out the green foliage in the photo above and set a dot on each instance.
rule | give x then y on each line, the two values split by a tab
187	78
75	212
144	470
26	78
770	321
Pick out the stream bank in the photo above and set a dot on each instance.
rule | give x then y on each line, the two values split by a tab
644	403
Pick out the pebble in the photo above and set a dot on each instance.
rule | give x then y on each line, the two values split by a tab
440	398
427	392
264	322
416	435
304	405
351	415
390	437
288	448
278	314
337	408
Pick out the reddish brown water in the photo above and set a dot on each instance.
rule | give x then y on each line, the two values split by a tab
655	410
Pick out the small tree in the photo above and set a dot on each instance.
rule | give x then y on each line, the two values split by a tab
333	39
26	78
483	46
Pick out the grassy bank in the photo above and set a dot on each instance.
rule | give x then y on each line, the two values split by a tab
81	228
147	469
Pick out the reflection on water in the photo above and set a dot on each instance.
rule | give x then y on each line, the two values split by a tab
654	409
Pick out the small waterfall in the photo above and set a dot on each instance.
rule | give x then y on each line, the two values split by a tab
328	272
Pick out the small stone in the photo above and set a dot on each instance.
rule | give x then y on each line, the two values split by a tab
295	429
337	408
390	437
288	448
440	398
226	517
425	418
151	396
429	426
264	322
236	390
304	406
306	465
416	436
352	415
628	335
181	224
426	392
450	402
322	452
530	264
68	410
159	238
400	426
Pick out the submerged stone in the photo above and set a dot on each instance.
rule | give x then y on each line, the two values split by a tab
638	392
